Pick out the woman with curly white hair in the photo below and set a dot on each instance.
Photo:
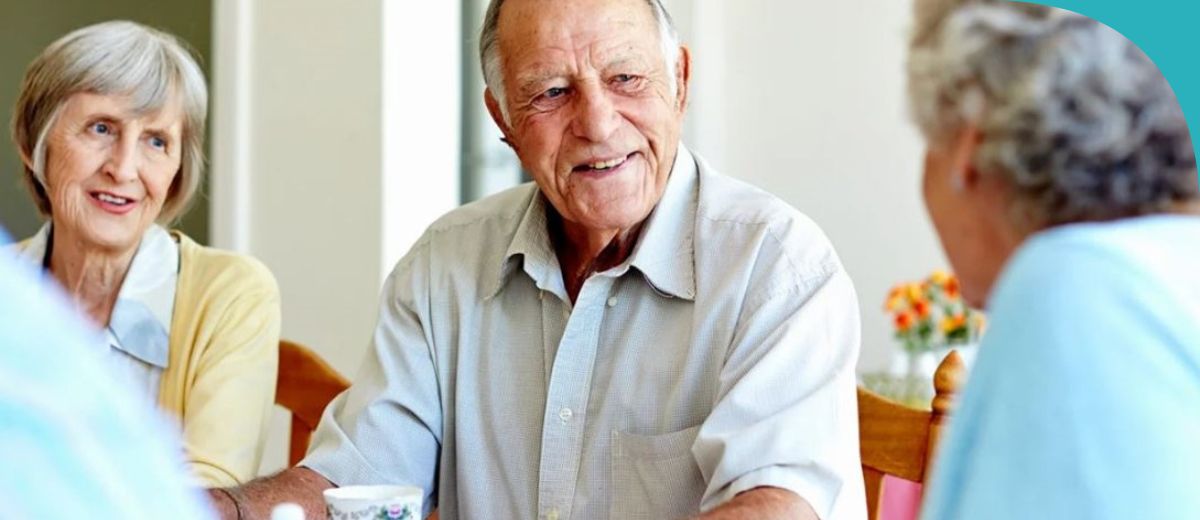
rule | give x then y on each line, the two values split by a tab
1061	179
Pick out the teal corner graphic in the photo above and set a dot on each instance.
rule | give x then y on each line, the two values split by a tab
1168	31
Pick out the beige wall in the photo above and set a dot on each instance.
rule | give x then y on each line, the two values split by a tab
335	146
806	101
312	152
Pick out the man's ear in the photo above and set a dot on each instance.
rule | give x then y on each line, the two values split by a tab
963	173
683	76
493	107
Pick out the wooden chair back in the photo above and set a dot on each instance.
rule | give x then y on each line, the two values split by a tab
901	441
305	386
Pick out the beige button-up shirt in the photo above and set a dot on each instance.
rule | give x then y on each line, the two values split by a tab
718	358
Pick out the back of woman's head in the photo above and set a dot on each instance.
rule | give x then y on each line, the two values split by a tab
1080	123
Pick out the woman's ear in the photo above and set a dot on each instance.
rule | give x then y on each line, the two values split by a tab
963	174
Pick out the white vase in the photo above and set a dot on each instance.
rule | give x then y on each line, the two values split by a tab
914	372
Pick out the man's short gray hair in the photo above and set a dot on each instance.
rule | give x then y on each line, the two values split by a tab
117	58
489	51
1079	121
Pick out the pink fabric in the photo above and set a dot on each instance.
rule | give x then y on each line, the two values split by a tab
901	499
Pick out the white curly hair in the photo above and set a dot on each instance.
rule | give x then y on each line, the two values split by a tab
1079	121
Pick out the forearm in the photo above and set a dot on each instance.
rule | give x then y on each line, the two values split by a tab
763	503
299	485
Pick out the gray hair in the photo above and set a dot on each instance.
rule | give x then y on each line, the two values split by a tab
1079	122
489	49
119	58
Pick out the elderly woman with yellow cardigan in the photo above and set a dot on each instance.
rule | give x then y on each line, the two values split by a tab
110	127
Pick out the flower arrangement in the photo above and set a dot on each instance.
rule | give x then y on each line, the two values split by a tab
930	314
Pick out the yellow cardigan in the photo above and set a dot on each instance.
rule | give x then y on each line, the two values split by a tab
224	358
219	384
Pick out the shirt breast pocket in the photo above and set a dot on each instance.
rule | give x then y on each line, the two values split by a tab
655	476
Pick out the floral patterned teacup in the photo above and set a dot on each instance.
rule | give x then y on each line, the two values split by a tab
374	503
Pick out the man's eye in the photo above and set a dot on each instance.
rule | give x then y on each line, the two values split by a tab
623	78
101	128
554	92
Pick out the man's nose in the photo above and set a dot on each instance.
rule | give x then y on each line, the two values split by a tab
596	117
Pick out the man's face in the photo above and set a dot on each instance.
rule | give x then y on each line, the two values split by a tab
591	112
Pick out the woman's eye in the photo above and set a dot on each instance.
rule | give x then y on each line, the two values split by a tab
623	78
101	128
158	142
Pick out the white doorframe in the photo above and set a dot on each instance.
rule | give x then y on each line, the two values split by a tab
232	76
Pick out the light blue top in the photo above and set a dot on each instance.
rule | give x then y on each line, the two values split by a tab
1085	399
718	358
73	442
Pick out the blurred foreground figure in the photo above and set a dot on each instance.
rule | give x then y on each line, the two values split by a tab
74	443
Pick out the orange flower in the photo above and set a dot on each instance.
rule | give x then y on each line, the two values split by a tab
913	292
922	308
952	323
893	302
904	321
940	277
951	288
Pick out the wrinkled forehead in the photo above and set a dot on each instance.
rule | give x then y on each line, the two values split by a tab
541	32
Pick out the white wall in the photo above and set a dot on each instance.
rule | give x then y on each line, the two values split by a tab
806	100
422	107
335	144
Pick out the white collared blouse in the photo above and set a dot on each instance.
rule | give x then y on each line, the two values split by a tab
139	329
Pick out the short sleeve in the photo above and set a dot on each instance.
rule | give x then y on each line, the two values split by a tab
786	412
387	427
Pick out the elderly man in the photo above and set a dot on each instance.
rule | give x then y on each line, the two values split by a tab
635	336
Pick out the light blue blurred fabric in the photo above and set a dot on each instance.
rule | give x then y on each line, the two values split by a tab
73	442
139	328
1085	399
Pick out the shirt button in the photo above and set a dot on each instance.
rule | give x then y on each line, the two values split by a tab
612	301
552	515
565	414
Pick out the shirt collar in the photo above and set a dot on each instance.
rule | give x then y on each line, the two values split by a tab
141	319
530	249
664	253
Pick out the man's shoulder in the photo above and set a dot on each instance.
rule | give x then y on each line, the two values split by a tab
734	210
504	208
724	199
479	231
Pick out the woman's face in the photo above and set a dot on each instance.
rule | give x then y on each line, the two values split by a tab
969	213
108	170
